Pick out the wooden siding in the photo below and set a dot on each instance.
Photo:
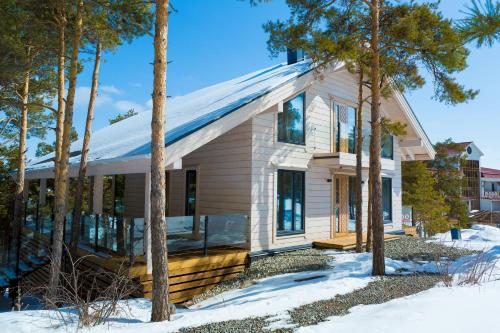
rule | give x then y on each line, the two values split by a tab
223	175
268	156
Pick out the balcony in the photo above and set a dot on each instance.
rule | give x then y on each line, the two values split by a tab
347	161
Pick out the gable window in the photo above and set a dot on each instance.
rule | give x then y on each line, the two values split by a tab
346	129
387	199
190	199
387	146
291	124
290	202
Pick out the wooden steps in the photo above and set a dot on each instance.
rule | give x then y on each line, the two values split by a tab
346	241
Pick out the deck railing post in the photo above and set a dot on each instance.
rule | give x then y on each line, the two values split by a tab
205	246
96	233
131	241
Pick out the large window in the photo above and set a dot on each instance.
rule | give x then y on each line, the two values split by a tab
190	200
387	199
346	128
290	203
291	127
387	146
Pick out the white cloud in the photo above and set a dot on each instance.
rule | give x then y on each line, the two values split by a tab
125	105
111	89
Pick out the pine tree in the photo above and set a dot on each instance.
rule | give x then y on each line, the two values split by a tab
160	308
482	22
419	191
402	38
61	182
25	82
105	30
447	165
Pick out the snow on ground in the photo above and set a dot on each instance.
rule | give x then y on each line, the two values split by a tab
269	296
459	308
479	237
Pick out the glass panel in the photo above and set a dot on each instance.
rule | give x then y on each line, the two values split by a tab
190	209
290	203
291	121
387	199
352	204
351	130
387	146
298	185
346	129
287	188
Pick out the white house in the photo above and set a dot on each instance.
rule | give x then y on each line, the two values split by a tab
490	189
276	145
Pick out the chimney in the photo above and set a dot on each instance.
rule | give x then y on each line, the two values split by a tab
295	55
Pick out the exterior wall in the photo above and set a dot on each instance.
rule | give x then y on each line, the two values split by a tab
268	156
134	195
237	171
223	175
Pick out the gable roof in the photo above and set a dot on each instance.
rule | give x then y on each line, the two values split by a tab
185	115
490	173
130	140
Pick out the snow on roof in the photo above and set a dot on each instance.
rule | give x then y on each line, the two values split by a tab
185	115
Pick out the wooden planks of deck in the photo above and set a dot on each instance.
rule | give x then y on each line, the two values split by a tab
346	241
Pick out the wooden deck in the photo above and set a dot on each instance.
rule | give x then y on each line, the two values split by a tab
190	273
346	241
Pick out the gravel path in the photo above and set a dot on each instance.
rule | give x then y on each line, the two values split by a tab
409	248
378	291
289	262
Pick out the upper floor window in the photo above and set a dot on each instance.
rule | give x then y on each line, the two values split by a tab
346	129
291	122
387	146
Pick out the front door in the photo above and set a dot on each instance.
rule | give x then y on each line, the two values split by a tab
340	199
344	203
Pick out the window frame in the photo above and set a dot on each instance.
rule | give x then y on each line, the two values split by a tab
280	222
391	203
278	127
391	157
336	127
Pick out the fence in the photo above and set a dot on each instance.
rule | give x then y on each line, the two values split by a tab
125	236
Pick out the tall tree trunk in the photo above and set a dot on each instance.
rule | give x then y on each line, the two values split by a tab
61	22
375	146
85	149
23	129
62	181
359	173
160	310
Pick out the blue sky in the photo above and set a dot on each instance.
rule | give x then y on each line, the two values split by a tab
213	41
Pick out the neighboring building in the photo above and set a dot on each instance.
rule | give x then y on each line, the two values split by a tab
490	189
276	145
471	171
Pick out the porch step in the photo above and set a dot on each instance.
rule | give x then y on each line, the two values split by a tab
346	241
